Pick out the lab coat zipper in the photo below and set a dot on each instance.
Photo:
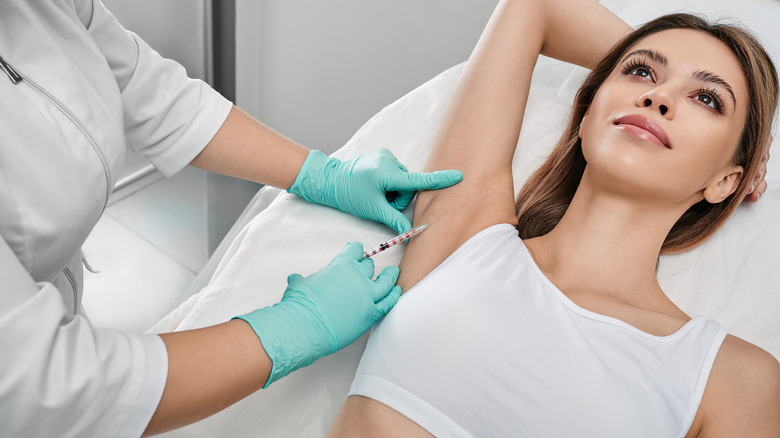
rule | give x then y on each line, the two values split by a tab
12	73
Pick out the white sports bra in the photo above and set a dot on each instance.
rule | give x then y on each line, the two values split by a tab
487	346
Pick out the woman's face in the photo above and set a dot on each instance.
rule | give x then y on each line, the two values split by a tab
667	121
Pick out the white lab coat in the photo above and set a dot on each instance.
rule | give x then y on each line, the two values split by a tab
88	86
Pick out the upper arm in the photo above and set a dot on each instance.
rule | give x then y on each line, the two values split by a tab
478	137
168	117
742	397
481	127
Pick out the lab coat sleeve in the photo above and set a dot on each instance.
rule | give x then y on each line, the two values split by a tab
61	377
168	117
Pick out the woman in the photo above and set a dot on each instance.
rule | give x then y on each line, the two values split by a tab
565	331
75	87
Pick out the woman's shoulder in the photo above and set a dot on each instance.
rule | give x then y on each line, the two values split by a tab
742	396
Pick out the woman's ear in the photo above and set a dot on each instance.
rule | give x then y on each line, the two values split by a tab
719	190
582	122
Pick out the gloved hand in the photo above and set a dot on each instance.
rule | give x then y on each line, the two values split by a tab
374	186
325	311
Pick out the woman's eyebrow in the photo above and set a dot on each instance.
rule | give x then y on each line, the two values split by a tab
712	78
652	54
701	75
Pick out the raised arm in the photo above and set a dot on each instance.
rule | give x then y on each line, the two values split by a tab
480	130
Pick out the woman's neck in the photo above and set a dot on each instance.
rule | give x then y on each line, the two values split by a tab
607	243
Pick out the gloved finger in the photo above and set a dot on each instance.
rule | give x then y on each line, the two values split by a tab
423	181
293	277
352	251
402	199
384	282
388	153
366	267
395	219
389	301
394	161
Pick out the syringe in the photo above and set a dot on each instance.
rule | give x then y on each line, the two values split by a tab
395	240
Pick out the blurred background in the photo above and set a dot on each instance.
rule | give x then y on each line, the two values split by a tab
315	71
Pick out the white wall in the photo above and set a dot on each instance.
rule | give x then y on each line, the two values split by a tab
317	70
175	28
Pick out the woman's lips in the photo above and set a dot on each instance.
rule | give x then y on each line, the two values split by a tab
644	128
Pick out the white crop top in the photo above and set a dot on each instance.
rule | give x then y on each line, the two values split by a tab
487	346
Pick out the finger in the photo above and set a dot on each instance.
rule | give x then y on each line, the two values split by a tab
390	300
755	192
293	277
391	217
388	156
396	220
761	173
762	188
352	251
387	152
402	200
424	181
366	267
384	282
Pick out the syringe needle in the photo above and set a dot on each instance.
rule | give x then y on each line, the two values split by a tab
395	240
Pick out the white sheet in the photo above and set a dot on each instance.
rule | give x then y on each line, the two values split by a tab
733	277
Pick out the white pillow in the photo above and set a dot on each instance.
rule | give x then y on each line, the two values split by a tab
734	276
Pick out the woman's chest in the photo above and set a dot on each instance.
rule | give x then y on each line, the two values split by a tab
499	354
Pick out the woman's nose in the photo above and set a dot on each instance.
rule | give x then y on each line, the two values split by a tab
662	108
657	99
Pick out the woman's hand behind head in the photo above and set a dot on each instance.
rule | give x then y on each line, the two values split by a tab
759	182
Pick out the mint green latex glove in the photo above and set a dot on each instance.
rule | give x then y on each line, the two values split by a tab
325	311
374	186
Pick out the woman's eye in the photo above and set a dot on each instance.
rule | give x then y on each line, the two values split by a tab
709	100
641	72
639	68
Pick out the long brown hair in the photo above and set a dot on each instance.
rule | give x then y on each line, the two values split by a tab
548	192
